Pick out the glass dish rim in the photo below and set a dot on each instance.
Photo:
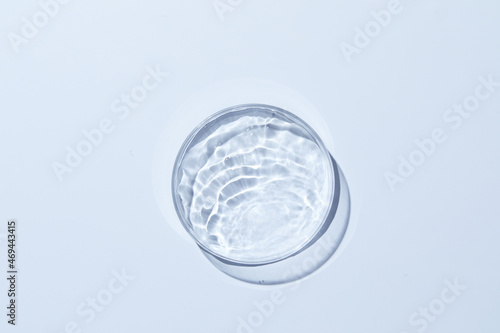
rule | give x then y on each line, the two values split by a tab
238	108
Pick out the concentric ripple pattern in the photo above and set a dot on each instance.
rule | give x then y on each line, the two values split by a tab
255	188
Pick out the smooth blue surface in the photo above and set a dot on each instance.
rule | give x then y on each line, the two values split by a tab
438	228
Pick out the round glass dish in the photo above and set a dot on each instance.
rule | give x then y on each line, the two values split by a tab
255	187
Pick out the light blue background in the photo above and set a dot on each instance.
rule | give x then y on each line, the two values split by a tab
441	223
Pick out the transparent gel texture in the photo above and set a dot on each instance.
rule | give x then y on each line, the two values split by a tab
255	188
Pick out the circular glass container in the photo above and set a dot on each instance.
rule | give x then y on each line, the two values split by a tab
259	192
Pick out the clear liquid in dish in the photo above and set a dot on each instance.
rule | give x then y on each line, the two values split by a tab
255	188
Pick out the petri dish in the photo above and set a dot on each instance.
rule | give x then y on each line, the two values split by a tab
257	190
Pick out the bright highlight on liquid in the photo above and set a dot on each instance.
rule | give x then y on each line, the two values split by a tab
255	188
